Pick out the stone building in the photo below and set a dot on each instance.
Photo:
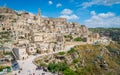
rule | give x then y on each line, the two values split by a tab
31	49
45	34
20	53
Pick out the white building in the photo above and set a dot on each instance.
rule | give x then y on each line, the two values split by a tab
20	53
31	49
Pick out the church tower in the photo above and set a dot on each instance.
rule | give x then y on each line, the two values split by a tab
39	12
39	17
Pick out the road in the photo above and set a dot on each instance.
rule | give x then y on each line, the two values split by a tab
28	68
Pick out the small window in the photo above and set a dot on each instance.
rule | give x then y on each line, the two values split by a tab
31	49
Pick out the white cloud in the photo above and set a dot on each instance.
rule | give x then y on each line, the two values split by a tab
103	20
50	2
100	2
93	13
66	12
44	16
70	17
107	15
59	5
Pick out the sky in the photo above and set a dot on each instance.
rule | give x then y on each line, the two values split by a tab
92	13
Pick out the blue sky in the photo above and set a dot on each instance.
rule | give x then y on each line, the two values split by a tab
93	13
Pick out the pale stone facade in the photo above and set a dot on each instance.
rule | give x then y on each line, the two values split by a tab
20	53
47	34
31	48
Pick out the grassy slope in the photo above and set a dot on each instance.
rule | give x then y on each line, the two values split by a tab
100	59
92	60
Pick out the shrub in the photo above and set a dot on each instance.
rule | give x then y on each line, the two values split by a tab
8	53
3	67
61	53
68	36
57	67
71	50
78	39
75	60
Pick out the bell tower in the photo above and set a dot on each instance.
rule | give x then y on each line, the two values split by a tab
39	17
39	12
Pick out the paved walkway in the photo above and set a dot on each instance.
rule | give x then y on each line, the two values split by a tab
28	68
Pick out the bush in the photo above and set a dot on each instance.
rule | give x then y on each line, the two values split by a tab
68	36
71	50
57	67
4	67
61	53
1	68
75	60
8	53
78	39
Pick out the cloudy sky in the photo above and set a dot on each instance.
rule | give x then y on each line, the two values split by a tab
93	13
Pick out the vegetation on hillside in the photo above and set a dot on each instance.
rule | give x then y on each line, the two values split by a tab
61	53
86	60
68	37
114	33
5	67
78	39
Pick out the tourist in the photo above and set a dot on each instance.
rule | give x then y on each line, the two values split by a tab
18	71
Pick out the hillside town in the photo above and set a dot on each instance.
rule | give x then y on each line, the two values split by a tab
30	34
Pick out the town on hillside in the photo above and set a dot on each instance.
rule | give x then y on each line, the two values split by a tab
23	34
